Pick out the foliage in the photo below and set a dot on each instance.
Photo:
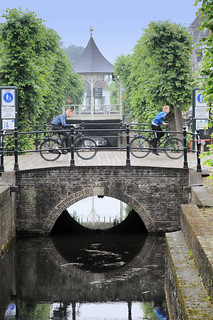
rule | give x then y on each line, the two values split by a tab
159	70
148	310
34	311
128	209
73	52
114	92
32	60
206	71
122	71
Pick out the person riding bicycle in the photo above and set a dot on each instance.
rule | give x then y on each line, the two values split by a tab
156	127
59	123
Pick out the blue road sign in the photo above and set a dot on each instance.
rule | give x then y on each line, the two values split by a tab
8	97
200	98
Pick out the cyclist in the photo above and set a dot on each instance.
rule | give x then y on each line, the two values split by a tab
59	123
156	127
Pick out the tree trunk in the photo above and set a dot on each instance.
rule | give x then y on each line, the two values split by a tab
178	120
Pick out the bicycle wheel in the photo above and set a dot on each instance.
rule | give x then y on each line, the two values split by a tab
49	149
86	148
139	147
174	148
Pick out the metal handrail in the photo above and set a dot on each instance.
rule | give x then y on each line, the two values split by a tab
124	131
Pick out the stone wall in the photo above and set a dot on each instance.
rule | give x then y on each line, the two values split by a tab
154	193
7	216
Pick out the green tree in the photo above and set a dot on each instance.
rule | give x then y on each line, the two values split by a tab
205	73
73	52
148	310
160	72
34	311
122	71
32	60
114	92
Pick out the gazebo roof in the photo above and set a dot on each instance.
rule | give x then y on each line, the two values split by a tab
92	60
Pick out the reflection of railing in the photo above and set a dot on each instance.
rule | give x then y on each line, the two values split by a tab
124	134
96	111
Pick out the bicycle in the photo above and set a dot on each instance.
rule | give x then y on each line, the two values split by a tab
51	148
141	146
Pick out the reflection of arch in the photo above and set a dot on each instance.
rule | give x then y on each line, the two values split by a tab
88	192
143	265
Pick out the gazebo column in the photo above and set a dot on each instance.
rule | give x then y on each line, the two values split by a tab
92	97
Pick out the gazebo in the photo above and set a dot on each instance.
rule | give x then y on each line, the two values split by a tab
97	73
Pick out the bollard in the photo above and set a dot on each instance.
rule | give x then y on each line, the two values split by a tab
127	147
16	166
71	143
185	162
198	151
2	151
203	146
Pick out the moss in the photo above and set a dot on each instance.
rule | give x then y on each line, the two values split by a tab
5	246
190	308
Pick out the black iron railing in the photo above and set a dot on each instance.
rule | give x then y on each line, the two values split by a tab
123	136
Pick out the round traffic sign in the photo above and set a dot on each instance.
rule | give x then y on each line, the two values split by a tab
8	97
200	98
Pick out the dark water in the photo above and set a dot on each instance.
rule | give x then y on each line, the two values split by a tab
84	276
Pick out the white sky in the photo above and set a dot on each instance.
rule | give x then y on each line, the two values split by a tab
104	207
117	24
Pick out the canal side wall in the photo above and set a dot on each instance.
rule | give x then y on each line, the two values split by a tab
7	209
155	193
189	260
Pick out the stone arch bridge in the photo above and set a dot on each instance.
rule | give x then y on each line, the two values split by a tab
155	193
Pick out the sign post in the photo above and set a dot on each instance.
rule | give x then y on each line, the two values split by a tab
8	107
200	114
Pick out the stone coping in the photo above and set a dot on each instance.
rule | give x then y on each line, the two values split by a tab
191	293
197	227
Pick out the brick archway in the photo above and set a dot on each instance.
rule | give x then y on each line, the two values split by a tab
154	193
89	192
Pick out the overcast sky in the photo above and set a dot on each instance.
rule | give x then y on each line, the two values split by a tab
117	24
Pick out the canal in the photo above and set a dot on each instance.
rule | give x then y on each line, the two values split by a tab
78	273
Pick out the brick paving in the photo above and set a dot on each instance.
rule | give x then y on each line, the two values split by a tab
106	158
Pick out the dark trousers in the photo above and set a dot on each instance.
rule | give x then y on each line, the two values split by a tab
158	133
61	130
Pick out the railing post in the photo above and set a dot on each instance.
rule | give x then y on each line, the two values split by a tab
36	138
16	166
2	151
185	163
72	160
121	134
198	151
45	128
127	147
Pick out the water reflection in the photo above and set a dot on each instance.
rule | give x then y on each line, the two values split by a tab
42	279
98	252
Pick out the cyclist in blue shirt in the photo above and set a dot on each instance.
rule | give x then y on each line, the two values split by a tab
156	127
59	123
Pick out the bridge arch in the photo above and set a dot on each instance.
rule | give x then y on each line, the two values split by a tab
64	203
155	193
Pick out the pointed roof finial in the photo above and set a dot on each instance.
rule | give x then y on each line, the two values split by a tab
91	30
